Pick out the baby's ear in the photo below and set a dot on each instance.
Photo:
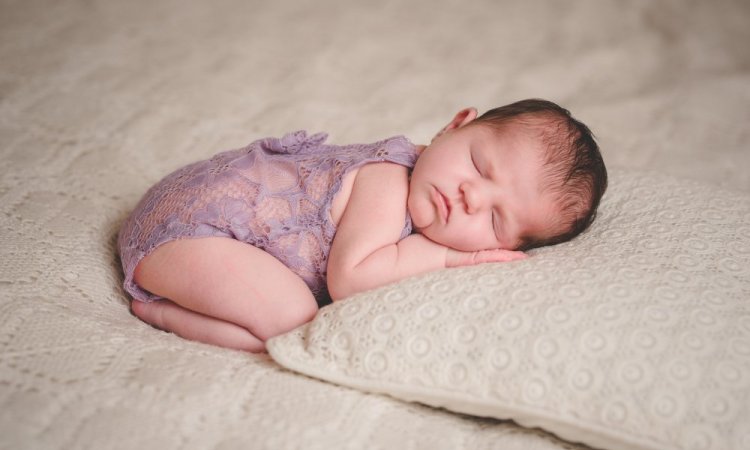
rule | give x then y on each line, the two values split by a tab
461	118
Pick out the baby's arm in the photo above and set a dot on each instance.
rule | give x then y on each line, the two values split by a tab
366	251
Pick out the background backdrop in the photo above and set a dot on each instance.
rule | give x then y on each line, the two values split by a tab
664	85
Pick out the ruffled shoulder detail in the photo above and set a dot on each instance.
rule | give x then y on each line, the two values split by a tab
293	143
396	149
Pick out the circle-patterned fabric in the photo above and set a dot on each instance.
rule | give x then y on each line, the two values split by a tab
635	335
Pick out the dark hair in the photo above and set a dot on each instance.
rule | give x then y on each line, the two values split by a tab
573	163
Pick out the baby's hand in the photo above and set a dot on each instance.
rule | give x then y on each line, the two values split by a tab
456	258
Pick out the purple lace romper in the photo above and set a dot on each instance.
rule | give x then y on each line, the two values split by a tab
274	194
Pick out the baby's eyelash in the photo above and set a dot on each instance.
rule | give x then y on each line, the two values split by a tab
474	162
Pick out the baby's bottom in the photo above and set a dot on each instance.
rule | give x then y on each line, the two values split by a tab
223	292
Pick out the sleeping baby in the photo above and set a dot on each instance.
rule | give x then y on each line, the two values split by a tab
249	244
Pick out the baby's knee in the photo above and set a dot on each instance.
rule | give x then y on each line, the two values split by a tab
304	313
289	318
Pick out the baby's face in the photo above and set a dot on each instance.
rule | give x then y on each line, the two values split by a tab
474	189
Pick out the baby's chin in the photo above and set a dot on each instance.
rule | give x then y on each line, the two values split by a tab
420	221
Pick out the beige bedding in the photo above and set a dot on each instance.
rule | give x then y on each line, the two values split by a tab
98	100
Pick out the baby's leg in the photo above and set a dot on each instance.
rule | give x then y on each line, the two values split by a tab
166	315
226	282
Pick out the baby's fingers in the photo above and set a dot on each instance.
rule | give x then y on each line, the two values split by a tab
500	255
457	258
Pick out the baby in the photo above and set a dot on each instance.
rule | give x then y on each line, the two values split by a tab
248	244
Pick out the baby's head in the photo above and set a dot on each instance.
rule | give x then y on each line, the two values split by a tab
573	168
520	176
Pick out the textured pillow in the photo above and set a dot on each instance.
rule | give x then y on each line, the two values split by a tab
634	335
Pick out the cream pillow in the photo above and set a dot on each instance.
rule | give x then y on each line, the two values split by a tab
636	335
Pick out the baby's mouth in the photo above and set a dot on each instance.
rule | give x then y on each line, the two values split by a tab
442	203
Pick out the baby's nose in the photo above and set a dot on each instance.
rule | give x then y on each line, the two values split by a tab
472	198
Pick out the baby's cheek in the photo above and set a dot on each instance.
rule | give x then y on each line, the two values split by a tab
421	214
483	237
469	238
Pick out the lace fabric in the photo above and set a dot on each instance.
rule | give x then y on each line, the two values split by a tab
274	194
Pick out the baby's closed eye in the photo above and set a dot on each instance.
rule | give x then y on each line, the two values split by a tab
496	223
